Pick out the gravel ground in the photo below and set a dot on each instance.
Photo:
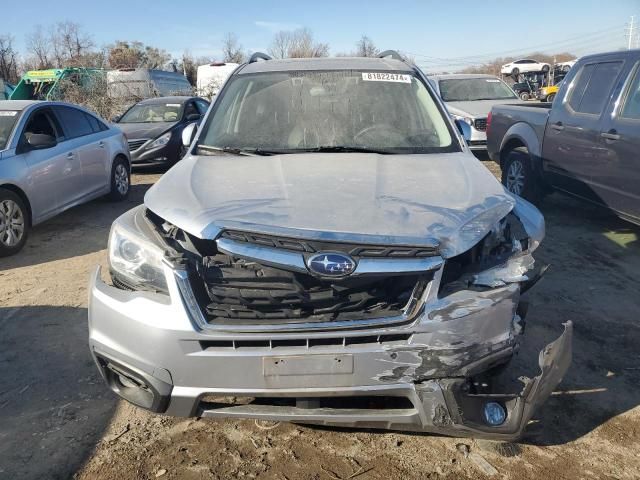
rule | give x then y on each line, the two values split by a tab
57	419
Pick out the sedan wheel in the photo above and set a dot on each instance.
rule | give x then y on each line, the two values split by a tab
120	180
14	223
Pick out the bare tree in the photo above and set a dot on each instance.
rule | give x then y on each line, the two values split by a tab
8	59
39	46
366	48
232	50
297	44
280	44
70	44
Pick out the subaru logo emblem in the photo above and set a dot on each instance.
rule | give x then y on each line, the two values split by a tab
331	264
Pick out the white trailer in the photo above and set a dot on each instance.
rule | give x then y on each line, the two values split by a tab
212	76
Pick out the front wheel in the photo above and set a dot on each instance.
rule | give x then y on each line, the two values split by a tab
14	223
518	177
551	97
524	96
120	180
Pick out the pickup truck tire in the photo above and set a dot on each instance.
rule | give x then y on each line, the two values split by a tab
550	97
14	223
524	96
519	178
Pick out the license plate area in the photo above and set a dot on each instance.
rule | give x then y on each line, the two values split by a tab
307	365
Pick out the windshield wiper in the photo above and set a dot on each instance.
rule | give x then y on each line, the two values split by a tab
236	151
341	149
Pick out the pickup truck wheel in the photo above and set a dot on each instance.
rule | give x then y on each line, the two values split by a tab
14	223
551	97
524	96
518	177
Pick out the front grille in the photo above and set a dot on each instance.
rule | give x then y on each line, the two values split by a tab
313	246
136	144
481	124
239	291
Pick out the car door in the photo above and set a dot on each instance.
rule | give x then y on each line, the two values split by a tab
52	171
89	146
572	150
618	180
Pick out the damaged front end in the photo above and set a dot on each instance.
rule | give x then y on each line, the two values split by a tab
414	341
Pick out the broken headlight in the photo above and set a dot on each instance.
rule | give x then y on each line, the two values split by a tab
135	263
502	255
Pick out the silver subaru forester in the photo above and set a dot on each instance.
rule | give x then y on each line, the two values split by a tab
329	251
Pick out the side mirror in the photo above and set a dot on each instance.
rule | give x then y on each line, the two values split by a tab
464	128
115	119
192	117
38	141
189	133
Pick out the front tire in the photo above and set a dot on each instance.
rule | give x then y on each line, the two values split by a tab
524	96
120	180
519	178
14	223
551	97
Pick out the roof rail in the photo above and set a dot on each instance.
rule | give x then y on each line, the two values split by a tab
391	53
259	56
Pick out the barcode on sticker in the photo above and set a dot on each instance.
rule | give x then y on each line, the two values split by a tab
385	77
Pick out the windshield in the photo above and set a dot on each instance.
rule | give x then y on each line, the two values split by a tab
152	113
470	89
8	119
288	112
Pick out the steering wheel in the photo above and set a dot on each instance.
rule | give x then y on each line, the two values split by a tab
389	130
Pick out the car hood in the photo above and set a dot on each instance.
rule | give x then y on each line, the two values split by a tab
477	108
144	130
356	197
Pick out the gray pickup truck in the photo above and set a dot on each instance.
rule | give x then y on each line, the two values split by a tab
586	143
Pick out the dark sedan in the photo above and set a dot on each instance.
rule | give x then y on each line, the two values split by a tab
154	127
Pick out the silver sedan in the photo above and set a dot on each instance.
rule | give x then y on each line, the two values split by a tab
54	156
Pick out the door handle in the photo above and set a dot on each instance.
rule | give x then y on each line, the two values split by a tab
557	126
610	135
101	144
70	155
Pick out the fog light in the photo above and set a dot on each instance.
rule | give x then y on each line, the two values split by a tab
494	414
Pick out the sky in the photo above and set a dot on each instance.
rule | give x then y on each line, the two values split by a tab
440	35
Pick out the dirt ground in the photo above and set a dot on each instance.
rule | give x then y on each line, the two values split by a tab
58	421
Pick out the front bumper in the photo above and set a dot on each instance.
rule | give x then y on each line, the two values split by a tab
410	377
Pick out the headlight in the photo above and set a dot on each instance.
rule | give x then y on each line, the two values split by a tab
467	120
161	141
136	262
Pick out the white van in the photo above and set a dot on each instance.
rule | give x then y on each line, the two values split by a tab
140	83
212	76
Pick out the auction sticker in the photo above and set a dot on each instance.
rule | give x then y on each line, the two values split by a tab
5	113
385	77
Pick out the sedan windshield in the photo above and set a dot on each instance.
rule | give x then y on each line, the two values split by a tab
326	111
152	113
470	89
8	119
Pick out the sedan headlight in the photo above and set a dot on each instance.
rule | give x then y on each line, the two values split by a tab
161	141
467	120
135	262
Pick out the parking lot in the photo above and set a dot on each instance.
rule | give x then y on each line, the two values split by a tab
59	420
